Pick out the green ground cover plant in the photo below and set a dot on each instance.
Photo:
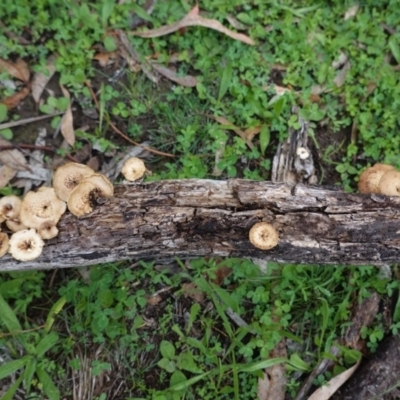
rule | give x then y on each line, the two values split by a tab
149	330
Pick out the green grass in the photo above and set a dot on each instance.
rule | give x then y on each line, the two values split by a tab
181	345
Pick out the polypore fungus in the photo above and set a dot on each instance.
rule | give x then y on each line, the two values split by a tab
390	183
26	245
10	207
38	207
68	176
4	243
370	178
87	194
263	236
133	169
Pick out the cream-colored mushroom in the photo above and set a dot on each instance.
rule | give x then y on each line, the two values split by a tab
26	245
38	207
47	230
4	243
15	225
133	169
263	236
86	195
390	183
10	206
68	176
370	178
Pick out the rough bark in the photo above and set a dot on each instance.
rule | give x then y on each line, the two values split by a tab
192	218
378	377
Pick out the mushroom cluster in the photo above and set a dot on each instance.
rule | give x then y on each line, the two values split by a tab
34	218
380	178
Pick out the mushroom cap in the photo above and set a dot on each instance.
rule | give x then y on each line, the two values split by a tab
85	196
68	176
38	207
263	236
26	245
370	178
10	206
4	243
390	183
15	225
133	169
48	230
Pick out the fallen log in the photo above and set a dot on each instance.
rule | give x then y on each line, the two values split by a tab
194	218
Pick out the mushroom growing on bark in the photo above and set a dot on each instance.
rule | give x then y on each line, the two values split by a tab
370	178
4	243
10	207
263	236
68	176
38	207
87	194
26	245
133	169
47	230
15	225
390	183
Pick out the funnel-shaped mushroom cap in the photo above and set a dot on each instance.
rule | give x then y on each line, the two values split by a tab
15	225
26	245
390	183
370	178
263	236
133	169
68	177
4	243
48	230
85	196
10	207
38	207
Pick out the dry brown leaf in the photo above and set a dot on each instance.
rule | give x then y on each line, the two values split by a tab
192	291
251	132
228	125
6	174
12	158
273	383
351	12
40	80
154	300
18	69
188	80
342	74
67	121
194	19
12	101
105	59
325	392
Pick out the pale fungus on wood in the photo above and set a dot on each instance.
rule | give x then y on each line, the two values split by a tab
4	243
370	178
390	183
10	207
133	169
68	176
263	236
85	196
25	245
38	207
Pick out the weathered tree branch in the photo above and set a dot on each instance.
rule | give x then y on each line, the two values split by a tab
192	218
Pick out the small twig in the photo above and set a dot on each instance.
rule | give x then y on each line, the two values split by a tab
35	147
116	130
27	121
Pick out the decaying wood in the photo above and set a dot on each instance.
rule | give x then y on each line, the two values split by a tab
378	377
193	218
